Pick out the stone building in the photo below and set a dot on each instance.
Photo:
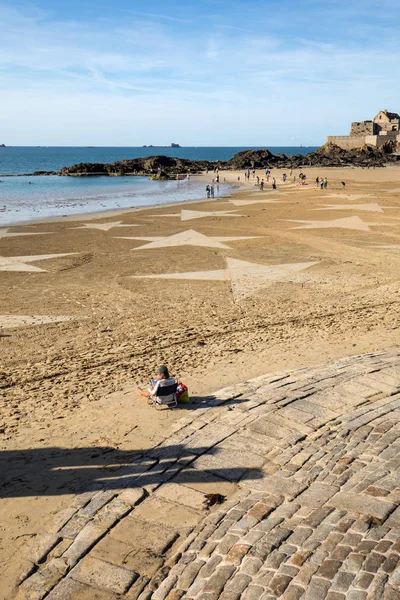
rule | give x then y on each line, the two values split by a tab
384	128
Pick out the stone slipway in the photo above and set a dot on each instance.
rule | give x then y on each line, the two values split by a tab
309	463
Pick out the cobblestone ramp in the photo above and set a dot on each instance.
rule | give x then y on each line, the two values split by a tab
309	463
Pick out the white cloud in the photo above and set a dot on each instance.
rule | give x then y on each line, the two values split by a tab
144	78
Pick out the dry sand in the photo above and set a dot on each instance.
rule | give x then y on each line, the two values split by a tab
217	298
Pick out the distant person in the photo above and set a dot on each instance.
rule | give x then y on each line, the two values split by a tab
321	183
212	191
325	182
208	190
274	183
343	185
262	185
317	182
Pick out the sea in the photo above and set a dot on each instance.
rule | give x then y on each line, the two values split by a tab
24	198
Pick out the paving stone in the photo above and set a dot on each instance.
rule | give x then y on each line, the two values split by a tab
97	502
160	511
132	496
317	494
41	547
363	580
89	535
69	589
40	583
317	589
93	571
260	511
236	553
390	563
335	596
293	592
218	580
329	568
238	583
343	581
74	526
275	484
374	507
189	574
279	583
151	536
251	565
181	495
253	592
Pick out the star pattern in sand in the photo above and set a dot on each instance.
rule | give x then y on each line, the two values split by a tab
246	278
363	207
104	226
4	233
394	246
187	238
347	223
11	321
19	263
348	196
248	202
189	215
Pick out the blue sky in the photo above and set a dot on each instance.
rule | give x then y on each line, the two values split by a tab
205	72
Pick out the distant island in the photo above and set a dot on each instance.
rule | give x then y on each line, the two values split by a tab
170	146
3	146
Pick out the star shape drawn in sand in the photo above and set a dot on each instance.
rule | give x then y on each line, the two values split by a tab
186	238
346	223
104	226
19	263
371	207
4	233
246	278
348	196
11	321
189	215
248	202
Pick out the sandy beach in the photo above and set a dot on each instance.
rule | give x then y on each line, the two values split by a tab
219	290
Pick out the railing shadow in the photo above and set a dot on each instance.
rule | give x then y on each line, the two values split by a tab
58	471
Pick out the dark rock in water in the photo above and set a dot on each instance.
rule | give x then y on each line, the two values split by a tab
3	146
168	167
38	173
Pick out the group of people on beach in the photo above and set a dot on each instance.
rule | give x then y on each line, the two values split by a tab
210	191
321	182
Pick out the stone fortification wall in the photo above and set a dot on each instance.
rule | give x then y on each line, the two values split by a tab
348	142
362	128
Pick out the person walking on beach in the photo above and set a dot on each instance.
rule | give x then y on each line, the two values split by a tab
321	183
212	191
325	182
343	185
274	183
317	182
208	190
262	185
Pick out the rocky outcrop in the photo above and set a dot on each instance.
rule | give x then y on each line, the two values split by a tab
167	167
149	166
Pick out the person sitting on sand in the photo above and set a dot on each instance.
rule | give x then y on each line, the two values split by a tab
162	379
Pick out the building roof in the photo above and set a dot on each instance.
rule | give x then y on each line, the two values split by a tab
390	115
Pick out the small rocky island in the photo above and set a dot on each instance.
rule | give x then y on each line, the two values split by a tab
166	167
